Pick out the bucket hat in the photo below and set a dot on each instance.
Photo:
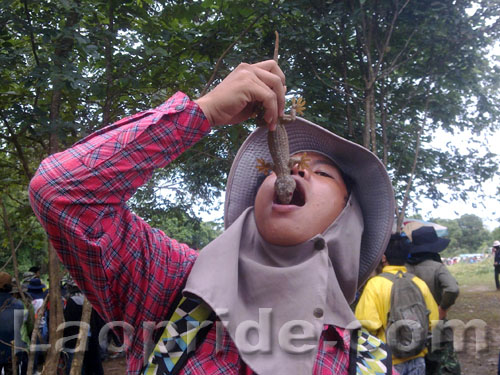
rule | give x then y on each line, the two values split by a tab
35	288
372	186
425	239
496	243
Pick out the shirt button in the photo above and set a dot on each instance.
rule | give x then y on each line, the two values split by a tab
318	312
319	244
179	107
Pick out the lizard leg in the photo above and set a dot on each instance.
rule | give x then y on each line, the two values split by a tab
264	167
298	107
302	162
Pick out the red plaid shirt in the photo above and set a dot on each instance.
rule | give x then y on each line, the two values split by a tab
129	271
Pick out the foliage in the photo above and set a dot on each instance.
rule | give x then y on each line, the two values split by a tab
386	74
495	234
467	235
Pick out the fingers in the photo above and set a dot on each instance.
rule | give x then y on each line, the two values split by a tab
275	83
266	87
273	67
245	88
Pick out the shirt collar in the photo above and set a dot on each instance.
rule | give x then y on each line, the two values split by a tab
394	269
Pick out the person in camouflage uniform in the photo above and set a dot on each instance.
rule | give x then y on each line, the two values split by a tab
442	361
425	262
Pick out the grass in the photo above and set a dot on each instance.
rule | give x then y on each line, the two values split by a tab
478	296
473	274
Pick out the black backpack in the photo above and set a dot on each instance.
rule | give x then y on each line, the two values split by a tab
408	319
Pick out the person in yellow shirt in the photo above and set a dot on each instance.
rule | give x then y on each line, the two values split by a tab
374	304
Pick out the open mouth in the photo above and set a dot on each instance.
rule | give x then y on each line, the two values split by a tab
298	197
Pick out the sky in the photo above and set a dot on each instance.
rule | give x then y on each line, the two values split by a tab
487	209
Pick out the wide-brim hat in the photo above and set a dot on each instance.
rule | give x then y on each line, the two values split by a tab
36	285
426	240
496	243
372	186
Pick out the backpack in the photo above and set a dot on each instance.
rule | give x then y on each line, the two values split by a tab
192	318
408	318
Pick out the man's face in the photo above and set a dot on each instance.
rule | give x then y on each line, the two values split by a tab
320	196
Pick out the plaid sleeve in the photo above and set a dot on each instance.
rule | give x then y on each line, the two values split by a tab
128	270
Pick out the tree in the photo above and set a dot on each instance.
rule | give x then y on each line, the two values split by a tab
385	74
495	234
467	234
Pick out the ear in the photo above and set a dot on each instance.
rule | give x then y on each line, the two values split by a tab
384	259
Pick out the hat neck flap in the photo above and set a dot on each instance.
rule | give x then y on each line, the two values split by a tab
275	300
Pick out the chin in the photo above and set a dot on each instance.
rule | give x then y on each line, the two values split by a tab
282	232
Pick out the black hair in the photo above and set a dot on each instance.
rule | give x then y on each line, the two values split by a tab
34	269
6	288
397	250
348	181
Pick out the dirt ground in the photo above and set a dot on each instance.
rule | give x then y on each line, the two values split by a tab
116	366
477	357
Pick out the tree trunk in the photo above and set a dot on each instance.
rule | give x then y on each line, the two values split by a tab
35	335
62	52
347	88
55	313
383	123
402	211
108	75
14	359
373	122
81	342
369	126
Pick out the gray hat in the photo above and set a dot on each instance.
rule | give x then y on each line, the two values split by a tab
372	186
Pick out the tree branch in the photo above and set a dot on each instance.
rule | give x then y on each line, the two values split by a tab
338	89
19	150
219	61
389	36
32	37
413	168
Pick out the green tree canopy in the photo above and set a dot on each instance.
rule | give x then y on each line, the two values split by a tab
385	74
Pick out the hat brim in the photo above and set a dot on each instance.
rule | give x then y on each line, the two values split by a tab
434	247
37	294
372	186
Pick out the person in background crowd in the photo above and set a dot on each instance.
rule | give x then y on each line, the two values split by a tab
36	289
374	304
12	316
92	364
36	271
27	327
425	262
496	261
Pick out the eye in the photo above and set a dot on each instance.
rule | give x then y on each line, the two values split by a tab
323	174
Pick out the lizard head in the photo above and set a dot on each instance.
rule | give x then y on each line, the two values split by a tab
284	187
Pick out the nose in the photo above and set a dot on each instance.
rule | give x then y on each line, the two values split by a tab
296	170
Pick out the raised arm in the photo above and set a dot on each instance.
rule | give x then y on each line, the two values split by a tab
80	195
128	270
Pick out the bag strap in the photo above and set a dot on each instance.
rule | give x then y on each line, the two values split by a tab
393	276
368	355
6	303
185	329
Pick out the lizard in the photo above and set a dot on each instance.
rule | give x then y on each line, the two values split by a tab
280	151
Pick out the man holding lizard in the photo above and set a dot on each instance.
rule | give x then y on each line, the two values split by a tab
281	276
